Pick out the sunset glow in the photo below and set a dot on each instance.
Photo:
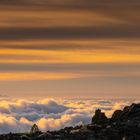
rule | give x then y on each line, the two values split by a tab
60	60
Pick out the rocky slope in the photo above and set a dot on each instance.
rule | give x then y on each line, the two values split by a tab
123	125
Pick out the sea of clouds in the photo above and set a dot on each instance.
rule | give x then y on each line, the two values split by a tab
18	115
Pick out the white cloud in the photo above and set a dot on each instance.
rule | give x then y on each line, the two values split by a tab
17	115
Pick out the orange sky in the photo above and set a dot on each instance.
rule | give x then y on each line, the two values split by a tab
69	48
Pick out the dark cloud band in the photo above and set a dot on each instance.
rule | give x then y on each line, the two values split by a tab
69	33
70	67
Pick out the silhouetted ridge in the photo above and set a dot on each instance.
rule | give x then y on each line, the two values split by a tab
99	117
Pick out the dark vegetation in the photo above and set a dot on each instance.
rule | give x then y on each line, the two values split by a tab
123	125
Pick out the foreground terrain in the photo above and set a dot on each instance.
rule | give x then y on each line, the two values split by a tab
123	125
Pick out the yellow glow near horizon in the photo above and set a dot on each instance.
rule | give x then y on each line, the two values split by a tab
14	76
71	56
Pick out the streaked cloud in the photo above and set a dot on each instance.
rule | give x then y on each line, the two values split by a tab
103	45
80	45
69	33
21	76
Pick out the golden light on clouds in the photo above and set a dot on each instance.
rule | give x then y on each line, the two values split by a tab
81	52
25	76
83	46
71	56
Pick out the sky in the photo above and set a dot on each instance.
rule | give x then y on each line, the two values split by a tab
73	48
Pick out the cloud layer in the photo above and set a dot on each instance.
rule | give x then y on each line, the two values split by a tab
18	115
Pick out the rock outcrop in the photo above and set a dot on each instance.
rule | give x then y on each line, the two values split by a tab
99	117
123	125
